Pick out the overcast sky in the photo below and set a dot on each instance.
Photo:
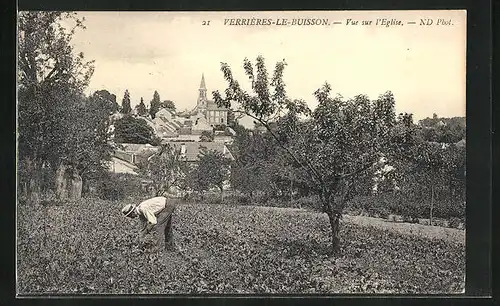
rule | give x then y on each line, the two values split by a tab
424	66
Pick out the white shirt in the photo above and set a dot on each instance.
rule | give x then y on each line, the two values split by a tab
151	207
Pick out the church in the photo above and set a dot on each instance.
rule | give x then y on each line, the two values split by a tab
206	108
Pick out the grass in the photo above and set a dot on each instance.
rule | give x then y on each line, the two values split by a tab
90	248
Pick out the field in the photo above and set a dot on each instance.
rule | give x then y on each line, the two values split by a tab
90	248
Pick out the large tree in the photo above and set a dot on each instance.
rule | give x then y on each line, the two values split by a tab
342	140
51	78
87	150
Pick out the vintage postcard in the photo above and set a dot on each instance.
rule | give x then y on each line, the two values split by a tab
293	152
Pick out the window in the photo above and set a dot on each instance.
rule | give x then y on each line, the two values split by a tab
222	120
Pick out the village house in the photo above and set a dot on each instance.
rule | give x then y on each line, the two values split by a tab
128	156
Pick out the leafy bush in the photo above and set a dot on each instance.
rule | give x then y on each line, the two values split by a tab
111	190
120	186
310	202
400	204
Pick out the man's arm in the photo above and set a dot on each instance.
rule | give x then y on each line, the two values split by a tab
145	228
150	217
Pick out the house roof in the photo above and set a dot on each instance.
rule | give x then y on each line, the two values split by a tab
165	110
117	165
193	149
185	131
135	148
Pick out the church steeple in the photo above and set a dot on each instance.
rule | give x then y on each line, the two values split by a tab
202	96
202	84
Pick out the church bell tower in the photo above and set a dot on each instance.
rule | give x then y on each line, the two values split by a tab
202	95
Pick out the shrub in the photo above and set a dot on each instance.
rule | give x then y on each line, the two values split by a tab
309	202
111	190
404	205
120	186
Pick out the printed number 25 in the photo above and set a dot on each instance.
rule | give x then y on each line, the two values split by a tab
205	22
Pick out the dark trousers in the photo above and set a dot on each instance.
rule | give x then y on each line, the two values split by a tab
163	227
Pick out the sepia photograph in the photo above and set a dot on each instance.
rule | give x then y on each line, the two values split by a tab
241	153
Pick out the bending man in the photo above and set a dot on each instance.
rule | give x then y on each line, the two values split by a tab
154	213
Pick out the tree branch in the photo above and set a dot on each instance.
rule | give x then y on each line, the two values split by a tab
309	168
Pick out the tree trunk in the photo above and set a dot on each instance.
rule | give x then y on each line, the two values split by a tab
335	227
450	188
221	194
34	189
68	184
76	185
334	219
432	204
61	183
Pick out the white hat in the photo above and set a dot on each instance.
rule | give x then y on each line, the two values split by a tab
129	208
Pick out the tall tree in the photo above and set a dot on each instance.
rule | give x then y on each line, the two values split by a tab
126	109
52	79
155	104
141	108
344	139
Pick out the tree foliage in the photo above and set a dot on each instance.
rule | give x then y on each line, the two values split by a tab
443	130
154	104
133	130
341	140
166	169
58	125
141	108
105	100
126	108
211	171
168	104
207	136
